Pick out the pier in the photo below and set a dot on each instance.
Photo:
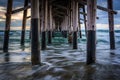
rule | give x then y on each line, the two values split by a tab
48	16
60	40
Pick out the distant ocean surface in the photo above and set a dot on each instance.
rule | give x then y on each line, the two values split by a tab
102	38
102	41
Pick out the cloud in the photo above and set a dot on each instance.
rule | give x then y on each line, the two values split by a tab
102	22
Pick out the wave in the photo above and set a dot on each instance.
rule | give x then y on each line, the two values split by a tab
102	41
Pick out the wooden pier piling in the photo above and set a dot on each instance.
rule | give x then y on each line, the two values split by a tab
44	23
7	25
111	25
85	21
49	37
91	31
24	23
50	24
43	40
75	23
80	31
35	49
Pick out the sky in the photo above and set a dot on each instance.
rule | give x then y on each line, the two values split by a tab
16	23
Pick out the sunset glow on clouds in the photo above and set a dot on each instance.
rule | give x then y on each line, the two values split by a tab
16	19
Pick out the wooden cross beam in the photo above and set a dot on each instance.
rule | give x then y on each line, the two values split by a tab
60	6
60	12
99	7
58	15
86	14
20	9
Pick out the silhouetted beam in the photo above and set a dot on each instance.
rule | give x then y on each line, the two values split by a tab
59	12
60	16
49	24
85	20
107	10
85	14
80	32
45	24
51	1
7	26
20	9
99	7
28	17
111	25
24	23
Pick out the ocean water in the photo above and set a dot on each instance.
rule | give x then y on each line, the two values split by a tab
60	61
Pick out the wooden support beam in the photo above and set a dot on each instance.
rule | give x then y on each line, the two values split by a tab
35	49
24	23
107	10
50	1
85	14
64	33
28	17
59	12
60	6
75	23
49	37
80	32
64	27
111	25
44	23
99	7
50	24
91	31
58	15
85	22
71	17
7	26
51	19
21	9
